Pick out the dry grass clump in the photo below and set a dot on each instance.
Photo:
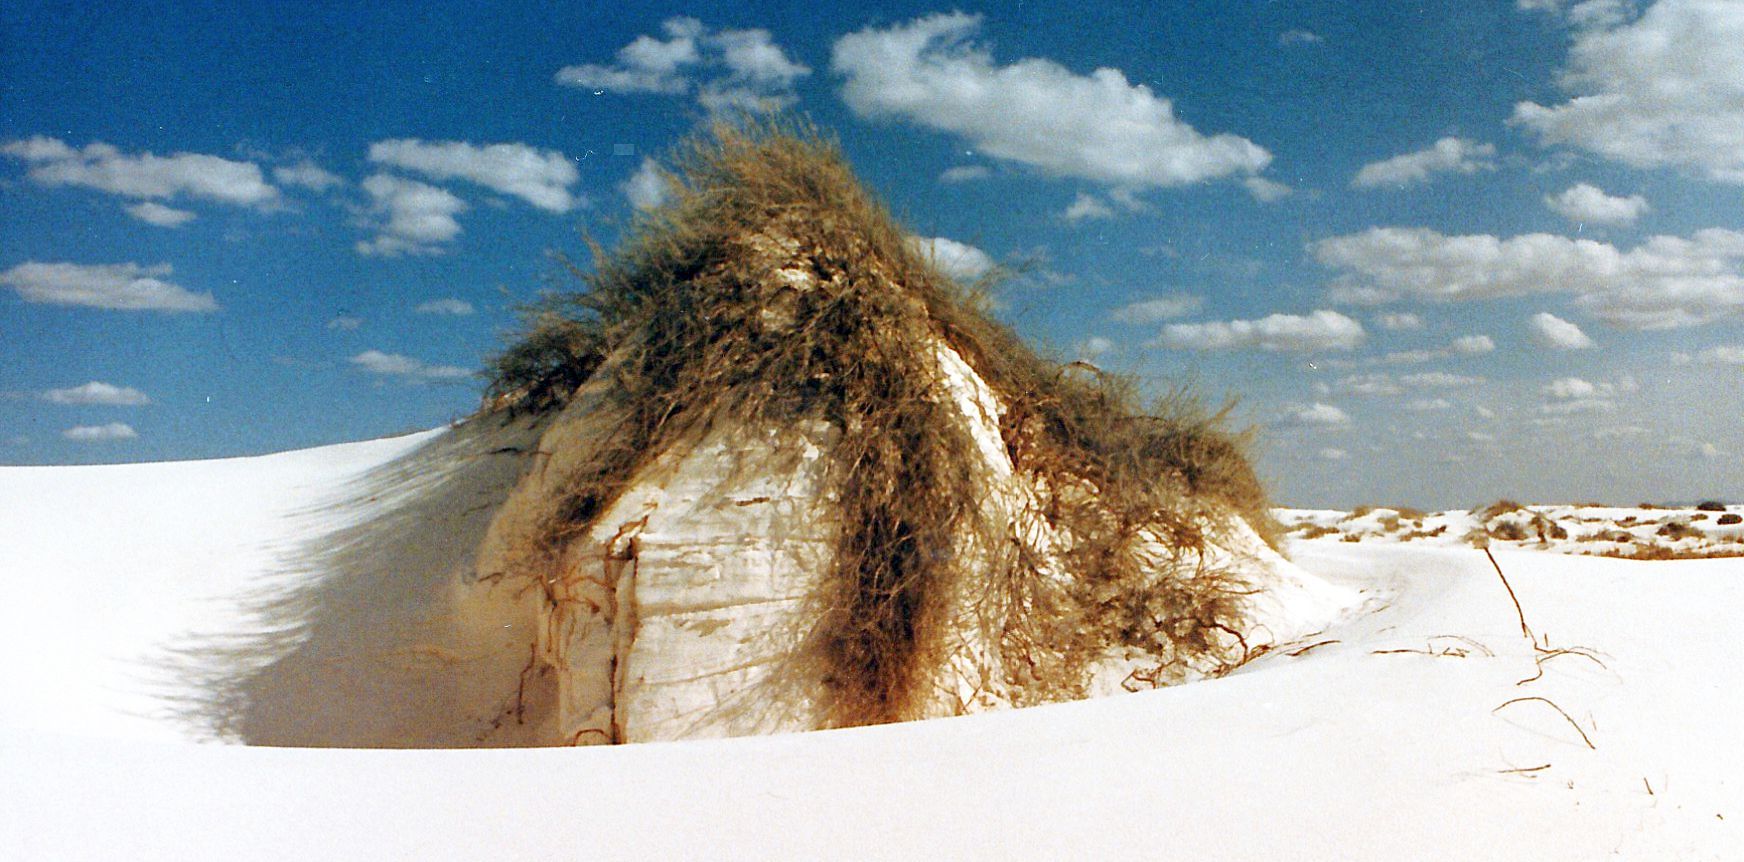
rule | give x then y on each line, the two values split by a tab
775	289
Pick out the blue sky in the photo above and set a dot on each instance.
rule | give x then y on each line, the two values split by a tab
1444	251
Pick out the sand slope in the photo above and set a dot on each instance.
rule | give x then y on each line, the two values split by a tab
1390	743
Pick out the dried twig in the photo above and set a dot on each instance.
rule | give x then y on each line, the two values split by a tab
1559	710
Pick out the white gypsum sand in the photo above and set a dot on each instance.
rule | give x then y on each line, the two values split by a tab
1388	736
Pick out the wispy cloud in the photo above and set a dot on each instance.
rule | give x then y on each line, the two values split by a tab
1448	155
98	393
117	286
306	174
964	173
154	213
449	306
1319	330
1158	309
396	365
539	177
106	168
100	433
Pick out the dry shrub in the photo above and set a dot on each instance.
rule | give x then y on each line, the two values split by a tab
775	289
1729	519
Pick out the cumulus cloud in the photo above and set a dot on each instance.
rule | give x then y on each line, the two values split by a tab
648	187
106	168
1399	321
724	69
1158	309
1663	282
1098	127
100	433
1552	331
539	177
395	365
1448	155
306	174
964	173
98	393
154	213
449	306
418	217
1086	206
1586	203
958	260
1424	405
1319	330
1663	90
119	286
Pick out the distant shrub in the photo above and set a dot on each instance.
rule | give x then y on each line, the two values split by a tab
1675	530
1729	519
1710	506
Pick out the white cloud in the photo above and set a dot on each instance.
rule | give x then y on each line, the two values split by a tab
964	173
344	323
1332	454
1299	37
959	260
1266	191
154	213
105	168
1158	309
539	177
449	306
100	433
1666	90
1093	347
1317	414
647	188
1569	387
726	69
419	216
1471	345
1399	321
377	362
1448	155
1553	331
1438	380
120	286
1086	206
646	65
1721	355
98	393
1036	112
1320	330
307	174
1370	385
1588	203
1424	405
1663	282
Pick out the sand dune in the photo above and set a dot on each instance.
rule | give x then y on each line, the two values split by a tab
1396	733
